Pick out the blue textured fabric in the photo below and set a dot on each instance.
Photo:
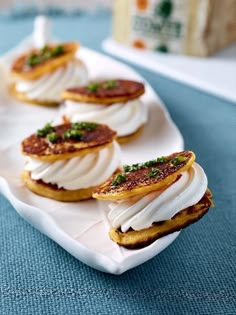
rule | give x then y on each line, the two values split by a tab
195	275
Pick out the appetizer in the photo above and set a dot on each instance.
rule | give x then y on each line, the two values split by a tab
40	75
155	198
66	162
113	102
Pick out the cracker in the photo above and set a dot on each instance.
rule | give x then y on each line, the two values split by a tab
139	181
20	71
122	91
138	239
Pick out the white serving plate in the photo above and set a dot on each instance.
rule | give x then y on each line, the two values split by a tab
215	74
81	228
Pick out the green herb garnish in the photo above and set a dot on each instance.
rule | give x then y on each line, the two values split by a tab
110	84
58	50
178	159
162	159
149	163
138	166
72	134
44	54
133	167
154	172
89	126
119	178
33	60
93	87
48	128
52	137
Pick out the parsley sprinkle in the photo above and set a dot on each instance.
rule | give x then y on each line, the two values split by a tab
178	159
119	178
150	163
93	87
162	159
33	60
84	125
43	55
154	172
138	166
45	130
110	84
133	167
52	137
58	50
72	134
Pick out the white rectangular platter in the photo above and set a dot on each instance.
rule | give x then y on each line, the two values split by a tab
80	228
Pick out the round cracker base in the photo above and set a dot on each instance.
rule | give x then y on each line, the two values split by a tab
68	155
124	190
66	95
50	191
23	98
139	239
120	140
125	91
46	67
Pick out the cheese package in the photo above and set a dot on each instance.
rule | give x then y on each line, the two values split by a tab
190	27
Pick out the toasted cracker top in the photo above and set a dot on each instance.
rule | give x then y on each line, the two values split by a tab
65	141
145	177
25	70
105	92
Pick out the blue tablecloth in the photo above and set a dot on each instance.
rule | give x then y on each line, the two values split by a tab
195	275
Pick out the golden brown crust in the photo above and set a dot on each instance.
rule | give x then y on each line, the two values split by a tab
123	91
23	98
92	141
52	192
120	140
138	182
138	239
20	71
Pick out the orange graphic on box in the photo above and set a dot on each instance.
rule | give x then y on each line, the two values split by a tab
142	5
139	43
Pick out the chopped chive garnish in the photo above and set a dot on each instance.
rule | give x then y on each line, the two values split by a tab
119	178
178	159
93	87
154	172
150	163
33	60
110	84
138	166
58	50
52	137
162	159
84	125
44	54
48	128
133	167
72	134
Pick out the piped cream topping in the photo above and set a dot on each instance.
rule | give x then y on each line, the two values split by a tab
90	170
50	86
160	205
125	118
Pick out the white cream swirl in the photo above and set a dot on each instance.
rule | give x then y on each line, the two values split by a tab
49	86
125	118
90	170
160	205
